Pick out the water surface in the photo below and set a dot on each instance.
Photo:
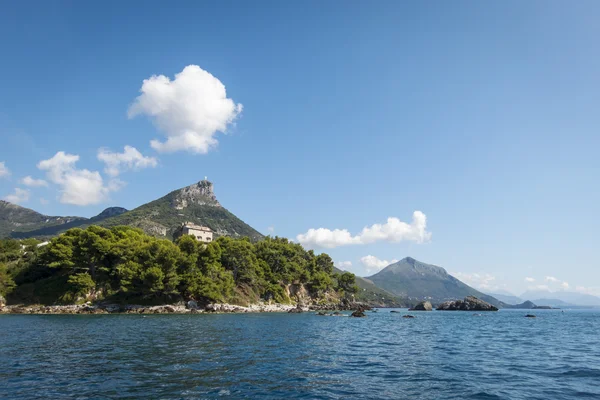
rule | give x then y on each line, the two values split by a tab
437	355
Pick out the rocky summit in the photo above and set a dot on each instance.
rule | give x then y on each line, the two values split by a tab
469	303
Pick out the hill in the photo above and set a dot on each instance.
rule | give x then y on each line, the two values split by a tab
417	281
375	296
561	298
507	298
195	203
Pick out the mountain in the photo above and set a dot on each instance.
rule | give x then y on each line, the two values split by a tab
561	299
373	295
507	298
417	281
15	220
196	203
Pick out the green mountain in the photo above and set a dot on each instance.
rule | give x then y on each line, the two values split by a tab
418	281
375	296
16	220
196	203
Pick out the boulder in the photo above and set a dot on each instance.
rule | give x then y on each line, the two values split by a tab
191	305
395	311
358	314
321	313
470	303
422	306
530	316
297	310
408	316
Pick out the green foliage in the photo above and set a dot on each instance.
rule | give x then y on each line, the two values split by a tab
125	264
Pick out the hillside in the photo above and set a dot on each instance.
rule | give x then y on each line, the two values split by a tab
375	296
416	280
15	220
195	203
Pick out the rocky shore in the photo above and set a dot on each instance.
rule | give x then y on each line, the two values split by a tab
191	307
470	303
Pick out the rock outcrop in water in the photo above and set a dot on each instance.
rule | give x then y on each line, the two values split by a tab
422	306
469	303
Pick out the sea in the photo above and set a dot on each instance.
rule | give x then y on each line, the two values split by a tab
436	355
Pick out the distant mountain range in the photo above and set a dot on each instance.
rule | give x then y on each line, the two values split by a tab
507	298
561	298
195	203
418	281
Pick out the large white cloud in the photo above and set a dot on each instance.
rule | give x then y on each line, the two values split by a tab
18	197
78	186
4	171
130	158
32	182
393	230
373	264
189	109
343	265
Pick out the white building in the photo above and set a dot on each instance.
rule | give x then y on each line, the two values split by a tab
202	233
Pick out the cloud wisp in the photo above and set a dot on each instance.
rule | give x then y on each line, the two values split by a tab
189	110
4	171
18	197
129	159
393	231
32	182
374	264
79	187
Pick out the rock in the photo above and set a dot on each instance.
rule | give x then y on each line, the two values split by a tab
169	309
395	311
530	316
470	303
337	313
297	310
2	301
422	306
192	305
358	314
408	316
322	313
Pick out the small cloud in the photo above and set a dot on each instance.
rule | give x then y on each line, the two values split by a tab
551	279
477	280
79	187
31	182
43	201
372	263
129	159
4	171
343	265
18	197
271	229
189	110
529	279
393	230
565	285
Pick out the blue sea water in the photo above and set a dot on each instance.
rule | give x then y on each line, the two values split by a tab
437	355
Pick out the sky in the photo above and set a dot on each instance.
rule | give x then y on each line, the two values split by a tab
464	134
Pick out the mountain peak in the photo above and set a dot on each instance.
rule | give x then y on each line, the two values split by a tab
110	212
201	193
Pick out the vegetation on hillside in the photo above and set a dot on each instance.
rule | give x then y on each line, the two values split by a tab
124	264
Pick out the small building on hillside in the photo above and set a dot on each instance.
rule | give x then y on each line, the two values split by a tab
201	233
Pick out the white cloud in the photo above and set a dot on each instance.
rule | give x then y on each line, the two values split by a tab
130	158
189	109
372	263
32	182
529	279
18	197
477	280
78	186
551	279
565	285
4	171
343	265
393	230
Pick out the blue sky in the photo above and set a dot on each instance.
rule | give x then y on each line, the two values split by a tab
483	116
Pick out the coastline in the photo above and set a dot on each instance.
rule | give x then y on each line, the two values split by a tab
218	308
